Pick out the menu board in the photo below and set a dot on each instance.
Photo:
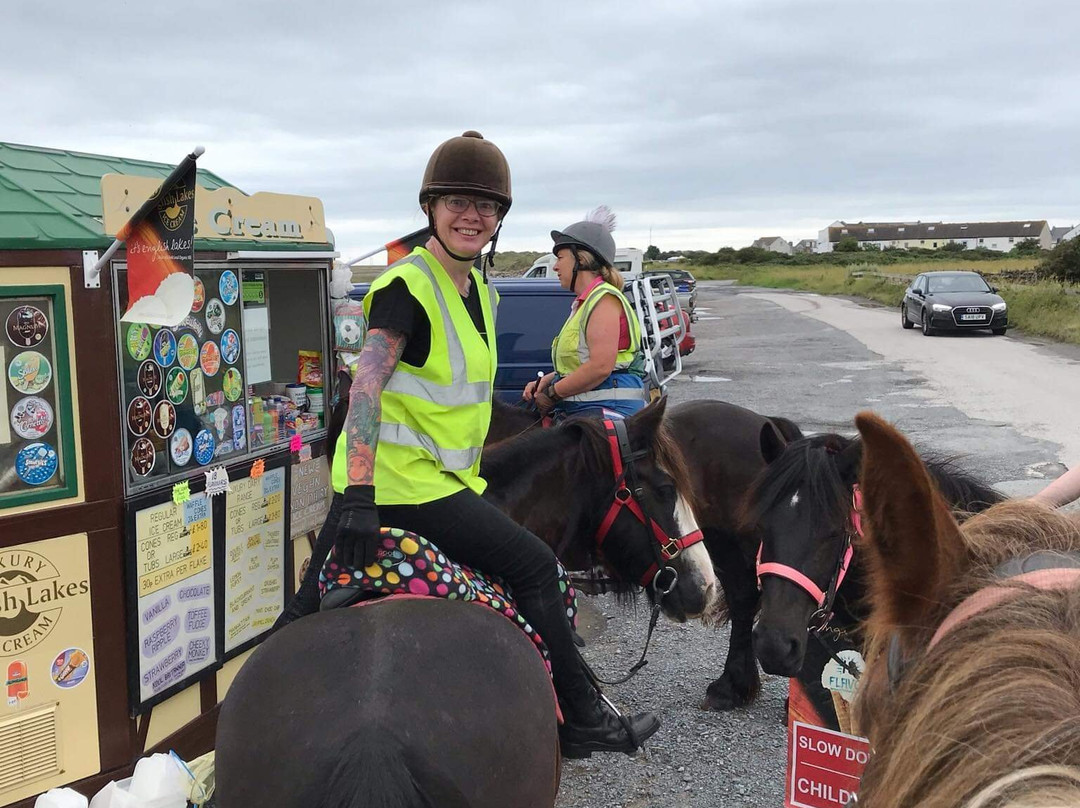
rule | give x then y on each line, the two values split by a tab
254	556
32	401
174	575
184	393
309	496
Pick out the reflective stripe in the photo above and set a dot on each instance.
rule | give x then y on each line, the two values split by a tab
631	326
609	394
454	395
451	459
459	392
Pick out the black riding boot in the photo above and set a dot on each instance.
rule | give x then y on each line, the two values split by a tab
590	725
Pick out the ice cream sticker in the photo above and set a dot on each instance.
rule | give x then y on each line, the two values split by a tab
210	358
229	287
138	341
233	384
18	682
37	463
29	372
70	668
230	346
204	447
239	426
215	315
181	447
176	386
198	392
187	351
200	296
164	348
164	419
142	457
27	326
32	418
139	414
149	378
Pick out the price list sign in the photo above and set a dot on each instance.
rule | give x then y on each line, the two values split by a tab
254	556
175	598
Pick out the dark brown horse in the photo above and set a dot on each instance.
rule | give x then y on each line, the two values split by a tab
970	693
722	447
436	703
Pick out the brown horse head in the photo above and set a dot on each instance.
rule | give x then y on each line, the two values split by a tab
987	711
560	483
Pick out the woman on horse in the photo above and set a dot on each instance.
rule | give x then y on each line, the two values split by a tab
419	410
599	364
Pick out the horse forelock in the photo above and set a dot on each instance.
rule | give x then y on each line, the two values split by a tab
808	468
1006	672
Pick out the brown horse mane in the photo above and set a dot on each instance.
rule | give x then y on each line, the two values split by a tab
990	716
584	439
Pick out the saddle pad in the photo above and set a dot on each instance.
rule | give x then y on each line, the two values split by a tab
408	564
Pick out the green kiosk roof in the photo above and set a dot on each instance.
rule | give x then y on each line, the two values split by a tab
51	200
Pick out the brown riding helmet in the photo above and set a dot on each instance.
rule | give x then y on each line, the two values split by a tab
468	165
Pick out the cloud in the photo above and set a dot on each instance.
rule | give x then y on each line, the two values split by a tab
705	121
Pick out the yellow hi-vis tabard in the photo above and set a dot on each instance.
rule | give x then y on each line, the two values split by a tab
435	417
570	349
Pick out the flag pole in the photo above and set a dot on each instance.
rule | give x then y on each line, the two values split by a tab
122	236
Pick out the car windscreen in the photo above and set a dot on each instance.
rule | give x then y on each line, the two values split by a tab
958	283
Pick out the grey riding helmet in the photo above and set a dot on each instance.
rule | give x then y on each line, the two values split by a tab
594	237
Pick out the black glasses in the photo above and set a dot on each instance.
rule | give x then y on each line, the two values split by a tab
459	204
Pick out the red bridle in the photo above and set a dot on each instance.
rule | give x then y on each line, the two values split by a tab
622	460
823	598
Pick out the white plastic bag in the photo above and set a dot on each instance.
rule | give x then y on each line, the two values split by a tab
60	798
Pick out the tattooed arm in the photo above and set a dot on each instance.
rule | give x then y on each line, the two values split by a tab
378	358
357	537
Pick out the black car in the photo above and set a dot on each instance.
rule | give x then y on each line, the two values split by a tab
953	301
685	288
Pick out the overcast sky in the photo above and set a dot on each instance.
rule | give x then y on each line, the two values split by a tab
710	123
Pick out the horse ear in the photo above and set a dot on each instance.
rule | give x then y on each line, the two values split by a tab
915	549
643	425
772	442
849	461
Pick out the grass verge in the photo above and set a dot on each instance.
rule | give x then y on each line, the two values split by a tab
1045	309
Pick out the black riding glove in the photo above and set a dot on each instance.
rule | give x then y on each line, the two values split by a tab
357	539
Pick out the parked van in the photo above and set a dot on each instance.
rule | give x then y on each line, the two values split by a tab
627	260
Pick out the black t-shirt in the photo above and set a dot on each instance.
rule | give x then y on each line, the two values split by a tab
393	307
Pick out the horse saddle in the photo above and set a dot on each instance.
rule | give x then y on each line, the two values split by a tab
408	564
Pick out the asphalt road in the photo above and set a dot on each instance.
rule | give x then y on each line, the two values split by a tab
1003	406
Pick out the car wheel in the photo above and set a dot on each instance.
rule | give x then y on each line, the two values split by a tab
998	332
926	329
904	321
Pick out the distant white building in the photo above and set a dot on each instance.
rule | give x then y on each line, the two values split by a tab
807	245
1068	235
1058	234
1000	236
773	244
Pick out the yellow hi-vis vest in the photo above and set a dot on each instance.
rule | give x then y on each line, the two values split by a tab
570	349
434	418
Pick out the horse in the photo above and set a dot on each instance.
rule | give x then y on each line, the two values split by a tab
812	582
721	445
424	702
970	695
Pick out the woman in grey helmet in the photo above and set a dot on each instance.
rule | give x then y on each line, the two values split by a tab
599	365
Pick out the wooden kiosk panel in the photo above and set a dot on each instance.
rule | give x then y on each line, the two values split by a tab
78	600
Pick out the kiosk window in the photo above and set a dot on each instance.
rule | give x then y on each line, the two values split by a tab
285	336
37	445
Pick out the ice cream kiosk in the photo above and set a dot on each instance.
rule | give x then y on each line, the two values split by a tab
159	486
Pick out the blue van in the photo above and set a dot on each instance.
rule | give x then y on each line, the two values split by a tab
531	312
